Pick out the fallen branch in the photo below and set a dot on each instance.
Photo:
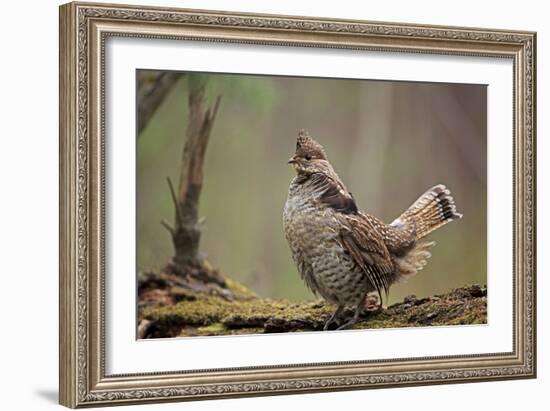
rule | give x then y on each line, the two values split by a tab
202	314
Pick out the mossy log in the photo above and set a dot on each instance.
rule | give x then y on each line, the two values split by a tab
184	312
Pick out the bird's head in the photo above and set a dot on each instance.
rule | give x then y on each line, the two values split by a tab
310	156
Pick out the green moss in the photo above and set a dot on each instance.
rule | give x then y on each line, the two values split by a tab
212	329
204	310
238	289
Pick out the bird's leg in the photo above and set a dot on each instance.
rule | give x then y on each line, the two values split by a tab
333	317
355	318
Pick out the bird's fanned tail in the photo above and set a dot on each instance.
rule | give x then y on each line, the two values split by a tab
432	210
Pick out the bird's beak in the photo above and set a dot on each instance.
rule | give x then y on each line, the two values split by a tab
292	160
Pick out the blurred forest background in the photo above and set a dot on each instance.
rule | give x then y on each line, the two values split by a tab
389	142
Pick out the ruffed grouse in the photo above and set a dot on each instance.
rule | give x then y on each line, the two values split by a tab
342	253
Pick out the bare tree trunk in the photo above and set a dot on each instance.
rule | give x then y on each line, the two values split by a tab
186	231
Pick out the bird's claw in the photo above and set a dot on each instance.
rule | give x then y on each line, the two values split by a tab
348	324
334	318
329	322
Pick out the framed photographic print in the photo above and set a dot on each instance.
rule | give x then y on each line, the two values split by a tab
259	204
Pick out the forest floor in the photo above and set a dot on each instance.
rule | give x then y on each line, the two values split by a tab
167	309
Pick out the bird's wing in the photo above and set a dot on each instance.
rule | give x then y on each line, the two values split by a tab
333	193
360	236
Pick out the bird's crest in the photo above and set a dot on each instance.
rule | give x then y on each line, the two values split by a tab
305	145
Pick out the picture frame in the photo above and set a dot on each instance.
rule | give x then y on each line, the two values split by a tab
85	28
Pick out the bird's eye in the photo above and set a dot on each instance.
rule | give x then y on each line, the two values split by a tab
308	157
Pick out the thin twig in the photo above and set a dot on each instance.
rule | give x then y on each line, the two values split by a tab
210	116
166	225
216	106
175	200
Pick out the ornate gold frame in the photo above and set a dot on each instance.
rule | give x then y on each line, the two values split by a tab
83	30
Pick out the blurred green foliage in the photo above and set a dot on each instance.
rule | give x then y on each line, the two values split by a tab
389	141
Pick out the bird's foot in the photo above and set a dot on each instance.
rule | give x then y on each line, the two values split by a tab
328	324
353	320
333	319
348	324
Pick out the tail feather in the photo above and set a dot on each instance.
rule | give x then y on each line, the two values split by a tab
413	261
432	210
